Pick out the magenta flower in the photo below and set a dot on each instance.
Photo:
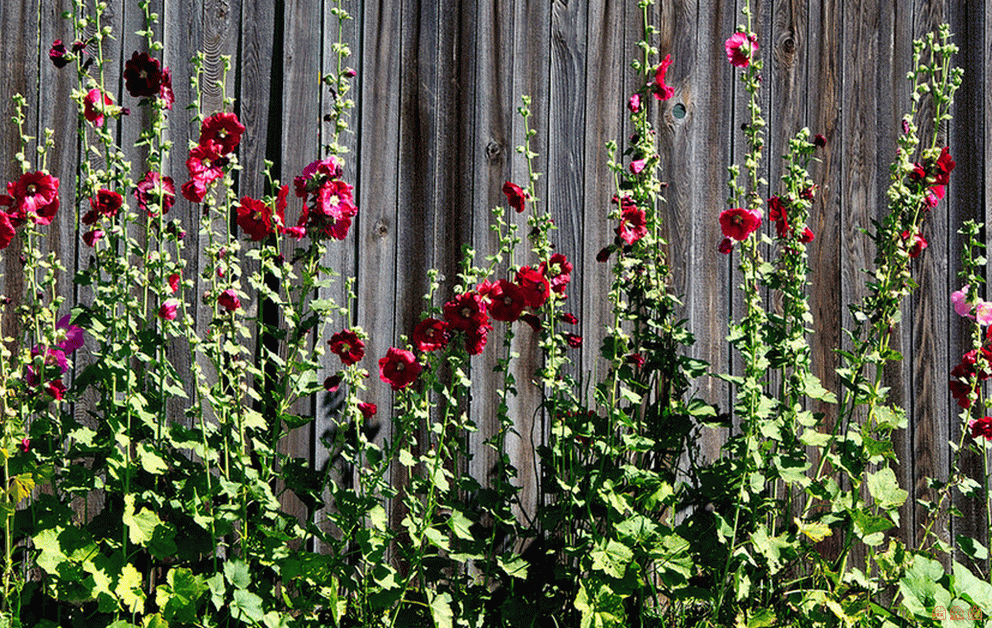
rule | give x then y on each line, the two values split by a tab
368	410
229	300
659	89
637	165
169	310
739	223
94	107
92	237
633	224
634	103
741	48
961	306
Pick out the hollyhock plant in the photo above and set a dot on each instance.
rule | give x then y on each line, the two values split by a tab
399	368
739	223
105	204
726	246
535	286
741	48
222	129
368	410
573	340
154	191
981	428
558	271
142	75
430	334
90	238
34	196
658	88
634	103
58	54
633	224
507	301
347	345
466	312
95	105
257	219
229	300
959	299
316	173
515	196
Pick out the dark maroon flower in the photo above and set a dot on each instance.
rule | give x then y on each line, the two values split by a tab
399	368
573	340
726	246
142	75
475	339
165	93
558	271
55	389
368	410
92	237
533	321
229	300
155	191
348	346
604	254
535	286
507	301
636	359
57	54
7	230
659	89
819	141
981	427
466	312
515	196
256	218
105	204
222	129
332	383
569	318
430	334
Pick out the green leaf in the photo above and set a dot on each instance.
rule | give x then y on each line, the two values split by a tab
141	527
460	525
237	573
762	619
129	589
972	548
884	487
611	558
440	608
150	460
246	606
513	566
815	530
21	487
216	585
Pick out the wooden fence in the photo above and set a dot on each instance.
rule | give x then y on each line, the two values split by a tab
437	87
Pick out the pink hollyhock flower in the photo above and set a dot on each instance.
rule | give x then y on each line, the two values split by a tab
659	89
430	334
316	173
229	300
57	54
174	282
558	270
92	237
169	310
368	410
983	313
25	445
726	246
515	196
94	107
981	427
332	383
739	223
399	368
637	165
961	306
573	340
507	301
155	191
34	197
741	49
633	224
915	243
535	286
142	75
256	218
466	312
634	103
74	337
222	129
348	346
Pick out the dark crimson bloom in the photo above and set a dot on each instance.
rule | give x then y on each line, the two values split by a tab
58	54
739	223
24	445
981	427
633	224
169	310
515	196
399	368
229	300
604	254
506	301
174	282
558	271
806	236
819	141
368	410
95	106
316	174
430	334
55	389
573	340
34	197
222	129
194	191
741	48
105	204
915	243
659	89
777	213
7	231
256	218
944	166
466	312
142	75
475	340
535	286
92	237
165	93
533	321
348	346
155	191
636	359
726	246
569	318
332	383
205	163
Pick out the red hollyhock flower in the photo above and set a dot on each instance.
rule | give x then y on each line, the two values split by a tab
739	223
174	279
726	246
819	141
515	196
636	359
34	197
94	107
368	410
255	218
399	368
741	49
806	236
659	89
535	286
981	427
205	163
92	237
569	318
222	129
142	75
573	340
336	199
24	445
194	191
944	166
604	254
507	301
778	214
155	191
915	243
56	389
475	340
229	300
7	231
633	224
105	204
533	321
57	54
165	93
466	312
169	310
348	346
316	174
430	334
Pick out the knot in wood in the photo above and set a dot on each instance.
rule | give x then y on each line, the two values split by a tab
494	150
788	43
380	229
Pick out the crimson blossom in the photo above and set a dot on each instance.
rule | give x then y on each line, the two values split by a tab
105	204
506	301
222	129
348	346
741	48
155	191
368	410
330	203
535	286
399	368
558	271
257	219
94	107
659	89
515	196
633	222
229	300
981	427
430	334
34	196
739	223
142	75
